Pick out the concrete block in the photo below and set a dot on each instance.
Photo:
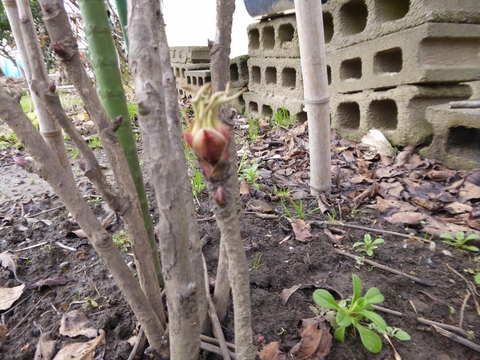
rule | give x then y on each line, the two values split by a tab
190	54
198	77
277	37
456	137
261	105
399	112
350	22
429	53
179	69
239	72
279	77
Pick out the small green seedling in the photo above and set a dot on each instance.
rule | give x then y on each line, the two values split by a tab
94	142
355	311
393	332
122	240
253	129
368	245
198	184
250	174
256	261
300	214
460	242
283	193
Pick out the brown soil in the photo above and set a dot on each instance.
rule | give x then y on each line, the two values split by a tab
25	201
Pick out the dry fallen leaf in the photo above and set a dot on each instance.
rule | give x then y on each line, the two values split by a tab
272	352
80	350
316	340
75	323
9	295
3	332
46	347
301	230
9	261
406	217
286	293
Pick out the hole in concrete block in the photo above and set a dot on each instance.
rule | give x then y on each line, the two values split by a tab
253	107
181	92
177	72
244	70
348	114
351	69
327	26
234	72
194	78
271	75
285	33
392	10
301	116
464	142
173	54
353	17
329	74
200	81
256	75
208	79
241	100
183	73
268	37
267	110
383	114
289	77
388	61
254	39
189	80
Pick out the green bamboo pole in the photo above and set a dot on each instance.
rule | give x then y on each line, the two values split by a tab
122	15
111	92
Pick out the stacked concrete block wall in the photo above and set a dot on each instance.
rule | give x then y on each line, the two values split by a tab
387	62
190	64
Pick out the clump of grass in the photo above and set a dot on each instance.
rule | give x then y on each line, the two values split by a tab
281	118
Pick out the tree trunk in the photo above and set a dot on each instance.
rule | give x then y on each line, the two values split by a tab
172	229
227	216
30	53
175	130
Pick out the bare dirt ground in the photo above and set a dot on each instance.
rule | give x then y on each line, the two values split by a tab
415	199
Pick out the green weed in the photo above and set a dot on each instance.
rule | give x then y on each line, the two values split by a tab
299	212
281	118
256	261
368	245
460	242
354	312
121	240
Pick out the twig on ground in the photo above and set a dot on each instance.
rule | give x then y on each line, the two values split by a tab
386	268
214	349
214	341
395	353
462	309
471	288
217	328
387	311
65	246
379	231
443	326
139	345
49	210
32	246
457	339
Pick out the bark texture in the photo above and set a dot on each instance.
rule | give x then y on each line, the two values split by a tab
172	229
